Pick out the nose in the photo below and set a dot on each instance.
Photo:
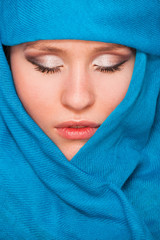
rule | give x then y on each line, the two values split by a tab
78	93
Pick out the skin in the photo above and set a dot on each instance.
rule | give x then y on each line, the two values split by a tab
77	91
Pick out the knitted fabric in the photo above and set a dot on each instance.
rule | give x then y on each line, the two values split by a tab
111	188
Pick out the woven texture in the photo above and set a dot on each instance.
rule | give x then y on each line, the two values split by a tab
111	187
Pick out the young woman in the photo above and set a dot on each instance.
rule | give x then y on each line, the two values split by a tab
80	120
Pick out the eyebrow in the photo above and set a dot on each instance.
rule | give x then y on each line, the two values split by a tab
52	48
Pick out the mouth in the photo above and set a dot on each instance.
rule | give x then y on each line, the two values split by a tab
77	130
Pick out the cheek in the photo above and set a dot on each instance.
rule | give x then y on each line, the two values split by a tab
113	87
36	92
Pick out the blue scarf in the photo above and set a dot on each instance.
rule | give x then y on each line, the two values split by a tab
111	188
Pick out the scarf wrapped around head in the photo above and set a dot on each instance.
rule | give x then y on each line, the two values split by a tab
111	187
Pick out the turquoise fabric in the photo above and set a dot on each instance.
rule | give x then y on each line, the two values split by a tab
111	187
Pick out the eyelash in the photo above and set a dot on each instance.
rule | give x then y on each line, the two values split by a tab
46	69
110	69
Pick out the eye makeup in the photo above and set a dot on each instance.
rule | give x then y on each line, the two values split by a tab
116	67
109	62
46	64
53	64
48	61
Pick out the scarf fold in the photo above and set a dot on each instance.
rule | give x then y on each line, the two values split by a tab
110	189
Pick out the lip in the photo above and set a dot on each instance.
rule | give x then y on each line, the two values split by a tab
68	129
77	123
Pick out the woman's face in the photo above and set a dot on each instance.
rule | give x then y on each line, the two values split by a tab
69	87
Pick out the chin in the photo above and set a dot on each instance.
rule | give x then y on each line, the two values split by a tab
72	150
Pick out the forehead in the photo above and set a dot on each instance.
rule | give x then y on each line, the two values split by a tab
49	44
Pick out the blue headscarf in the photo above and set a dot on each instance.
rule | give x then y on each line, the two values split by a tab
111	188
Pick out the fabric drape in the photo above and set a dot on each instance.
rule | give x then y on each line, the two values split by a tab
111	188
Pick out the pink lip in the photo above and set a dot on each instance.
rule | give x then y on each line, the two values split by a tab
68	130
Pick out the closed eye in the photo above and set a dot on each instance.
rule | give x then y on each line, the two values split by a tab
105	69
44	69
110	69
47	70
